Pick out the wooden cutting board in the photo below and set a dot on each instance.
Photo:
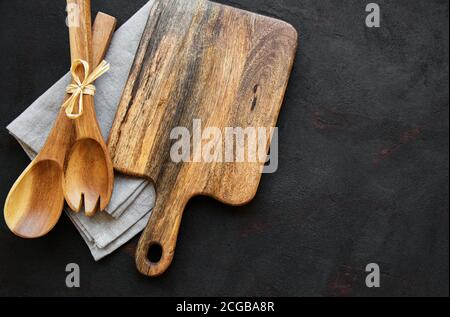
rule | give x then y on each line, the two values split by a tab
197	60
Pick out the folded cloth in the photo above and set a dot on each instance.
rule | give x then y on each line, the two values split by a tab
133	198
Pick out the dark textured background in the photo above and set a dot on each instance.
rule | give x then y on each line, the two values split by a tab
363	177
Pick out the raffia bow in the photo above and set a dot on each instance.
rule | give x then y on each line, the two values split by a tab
80	88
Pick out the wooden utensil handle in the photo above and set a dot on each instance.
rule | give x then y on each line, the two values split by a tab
103	30
80	34
102	33
80	30
156	246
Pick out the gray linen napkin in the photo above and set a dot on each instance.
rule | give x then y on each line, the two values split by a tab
132	199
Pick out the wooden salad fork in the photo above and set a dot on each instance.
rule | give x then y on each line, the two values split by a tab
35	202
88	174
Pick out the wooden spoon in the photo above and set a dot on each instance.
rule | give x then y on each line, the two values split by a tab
35	202
88	174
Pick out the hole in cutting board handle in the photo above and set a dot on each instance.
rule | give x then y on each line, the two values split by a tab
154	253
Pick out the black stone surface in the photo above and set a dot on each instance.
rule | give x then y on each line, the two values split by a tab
363	175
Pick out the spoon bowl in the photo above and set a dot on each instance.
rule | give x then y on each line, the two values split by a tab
36	200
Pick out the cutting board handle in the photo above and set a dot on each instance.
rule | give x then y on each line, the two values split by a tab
156	246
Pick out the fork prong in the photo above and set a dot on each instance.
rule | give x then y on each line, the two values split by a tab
104	200
74	200
91	204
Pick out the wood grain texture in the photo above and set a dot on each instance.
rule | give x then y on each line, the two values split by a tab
102	34
88	173
197	60
35	202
